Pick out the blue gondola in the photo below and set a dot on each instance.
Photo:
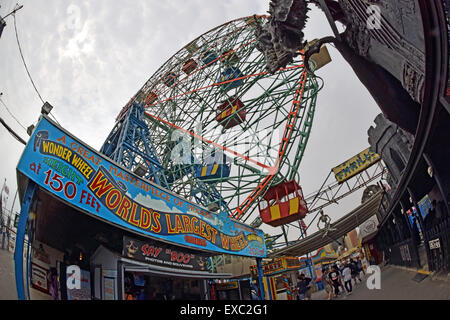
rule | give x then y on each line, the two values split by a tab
212	171
208	57
230	74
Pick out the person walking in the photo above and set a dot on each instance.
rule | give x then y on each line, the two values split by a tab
326	283
347	275
334	276
354	271
303	285
2	229
340	267
360	266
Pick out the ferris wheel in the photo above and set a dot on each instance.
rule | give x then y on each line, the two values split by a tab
224	129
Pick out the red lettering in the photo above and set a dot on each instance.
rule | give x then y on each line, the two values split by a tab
101	184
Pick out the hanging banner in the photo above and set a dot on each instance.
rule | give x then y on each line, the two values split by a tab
159	253
368	228
87	180
355	165
424	205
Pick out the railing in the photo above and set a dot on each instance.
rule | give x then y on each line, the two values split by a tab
404	254
439	243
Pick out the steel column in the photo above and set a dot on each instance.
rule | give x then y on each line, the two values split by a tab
259	267
20	238
438	180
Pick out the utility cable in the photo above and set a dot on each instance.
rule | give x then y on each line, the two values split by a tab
10	113
23	60
26	67
12	132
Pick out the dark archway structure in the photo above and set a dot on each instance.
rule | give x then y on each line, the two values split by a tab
414	96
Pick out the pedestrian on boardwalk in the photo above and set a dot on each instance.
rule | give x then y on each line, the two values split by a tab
303	286
354	271
360	266
347	275
3	231
327	284
341	281
52	280
334	276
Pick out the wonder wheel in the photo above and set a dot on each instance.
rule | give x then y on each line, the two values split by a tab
223	128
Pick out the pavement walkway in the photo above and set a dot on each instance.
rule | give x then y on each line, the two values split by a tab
7	280
8	289
397	284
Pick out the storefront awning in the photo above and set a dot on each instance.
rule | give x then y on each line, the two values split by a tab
135	266
342	227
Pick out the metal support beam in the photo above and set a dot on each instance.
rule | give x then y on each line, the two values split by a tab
259	267
330	19
30	191
439	182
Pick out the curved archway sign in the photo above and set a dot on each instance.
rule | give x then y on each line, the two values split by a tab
75	173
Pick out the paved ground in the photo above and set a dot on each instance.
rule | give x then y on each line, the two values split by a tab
8	289
397	284
7	281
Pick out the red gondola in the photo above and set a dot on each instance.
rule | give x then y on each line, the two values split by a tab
189	66
226	113
283	204
150	98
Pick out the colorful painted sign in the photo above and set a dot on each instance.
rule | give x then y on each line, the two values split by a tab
232	285
159	253
368	227
424	206
87	180
277	266
39	278
355	165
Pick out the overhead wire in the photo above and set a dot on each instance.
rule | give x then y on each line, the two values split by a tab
12	132
23	60
26	67
12	115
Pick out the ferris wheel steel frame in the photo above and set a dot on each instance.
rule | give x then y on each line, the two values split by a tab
182	100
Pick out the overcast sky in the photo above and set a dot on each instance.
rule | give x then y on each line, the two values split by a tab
88	58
